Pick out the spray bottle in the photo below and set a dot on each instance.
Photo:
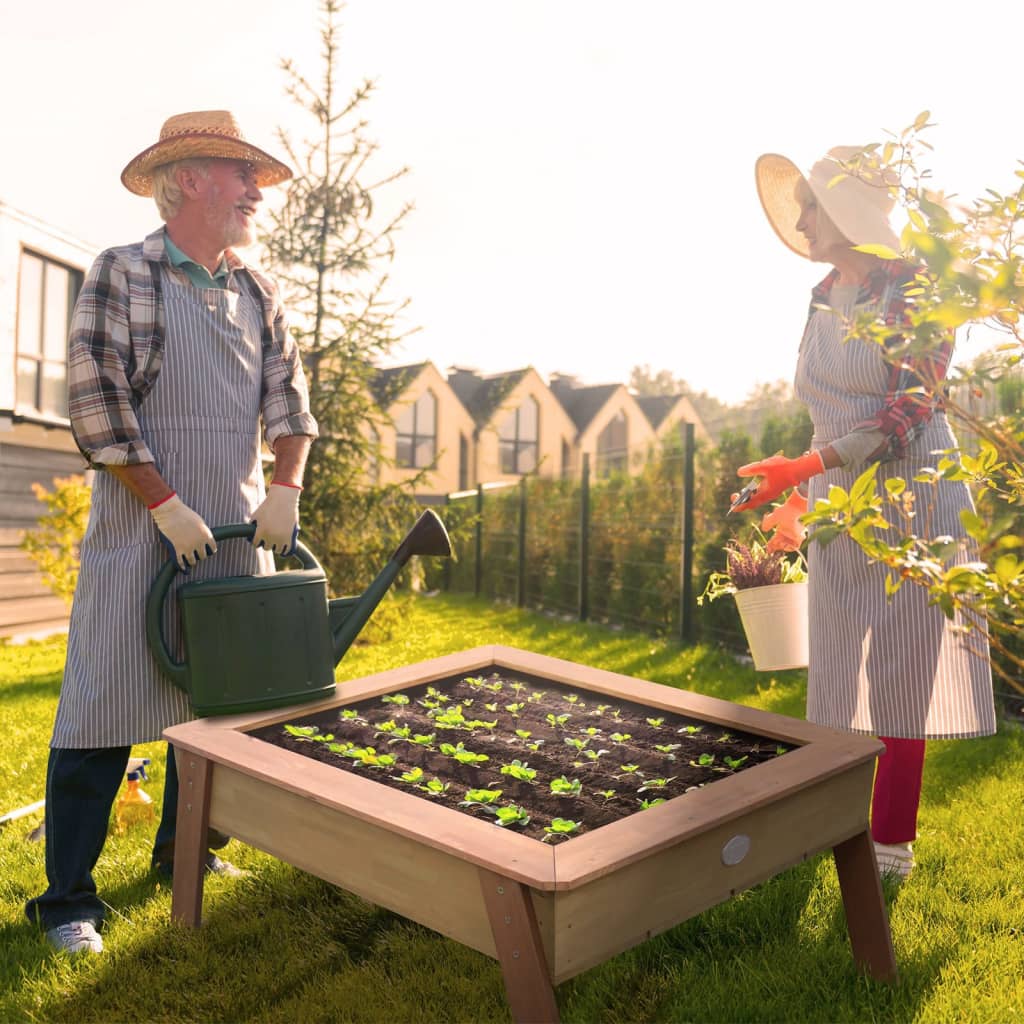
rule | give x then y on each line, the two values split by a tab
135	805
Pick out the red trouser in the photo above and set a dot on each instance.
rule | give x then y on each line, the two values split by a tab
897	791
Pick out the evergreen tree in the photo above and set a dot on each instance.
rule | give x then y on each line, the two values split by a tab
326	247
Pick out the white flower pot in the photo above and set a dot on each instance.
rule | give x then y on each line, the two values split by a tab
775	621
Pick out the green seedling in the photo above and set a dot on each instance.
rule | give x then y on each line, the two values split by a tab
514	709
302	732
655	784
435	787
560	827
414	775
430	705
495	687
574	698
535	746
511	815
563	787
655	723
474	682
519	770
691	729
600	709
401	734
594	754
359	753
668	749
340	748
394	698
576	744
462	755
724	738
536	696
630	769
480	797
557	721
477	724
704	761
591	731
734	762
523	734
607	794
646	804
621	737
389	726
517	688
491	707
467	702
349	714
426	740
449	718
781	750
441	698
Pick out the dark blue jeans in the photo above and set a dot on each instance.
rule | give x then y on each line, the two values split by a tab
81	786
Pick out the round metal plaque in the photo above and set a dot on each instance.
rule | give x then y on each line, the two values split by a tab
735	850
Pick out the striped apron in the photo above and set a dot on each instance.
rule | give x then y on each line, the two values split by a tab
201	421
894	667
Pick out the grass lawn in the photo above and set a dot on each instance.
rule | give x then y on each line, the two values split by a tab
281	945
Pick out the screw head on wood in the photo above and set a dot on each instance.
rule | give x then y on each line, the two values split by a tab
501	890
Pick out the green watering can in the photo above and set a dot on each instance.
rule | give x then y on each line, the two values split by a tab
259	642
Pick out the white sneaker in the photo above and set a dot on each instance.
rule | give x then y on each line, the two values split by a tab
75	937
895	860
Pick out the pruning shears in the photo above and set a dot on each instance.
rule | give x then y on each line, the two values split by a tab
747	493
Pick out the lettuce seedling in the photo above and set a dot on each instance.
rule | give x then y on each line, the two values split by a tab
575	743
435	787
704	761
519	770
396	698
480	797
563	787
724	738
655	784
389	726
424	740
462	755
560	827
691	729
340	748
607	794
441	698
557	721
594	754
656	723
302	732
621	737
413	775
491	707
591	731
511	815
514	709
536	696
646	804
734	762
629	769
350	714
523	734
474	682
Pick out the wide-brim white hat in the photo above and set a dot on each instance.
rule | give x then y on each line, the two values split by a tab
857	198
198	134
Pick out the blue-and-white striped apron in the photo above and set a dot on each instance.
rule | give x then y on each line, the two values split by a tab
201	421
889	667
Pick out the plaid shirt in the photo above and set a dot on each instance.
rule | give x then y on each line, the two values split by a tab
116	347
914	389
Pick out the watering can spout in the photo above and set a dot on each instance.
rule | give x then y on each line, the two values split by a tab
348	615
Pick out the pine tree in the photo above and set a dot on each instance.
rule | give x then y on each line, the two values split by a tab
327	247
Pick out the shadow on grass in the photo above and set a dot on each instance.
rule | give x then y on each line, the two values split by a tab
955	765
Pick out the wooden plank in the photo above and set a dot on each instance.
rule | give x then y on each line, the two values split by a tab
31	609
520	951
442	828
195	778
618	910
632	839
15	585
401	873
866	917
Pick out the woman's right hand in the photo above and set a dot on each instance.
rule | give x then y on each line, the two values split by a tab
785	521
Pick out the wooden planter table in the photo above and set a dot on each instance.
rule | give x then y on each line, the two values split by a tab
545	912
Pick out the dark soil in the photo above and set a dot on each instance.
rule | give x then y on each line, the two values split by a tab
608	791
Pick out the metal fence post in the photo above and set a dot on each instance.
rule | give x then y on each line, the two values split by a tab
521	573
478	568
584	594
687	631
446	571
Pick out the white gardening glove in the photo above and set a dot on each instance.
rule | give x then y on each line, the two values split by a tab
277	519
183	531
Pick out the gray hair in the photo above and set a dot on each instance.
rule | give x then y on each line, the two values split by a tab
167	191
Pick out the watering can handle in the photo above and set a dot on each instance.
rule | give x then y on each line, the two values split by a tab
177	671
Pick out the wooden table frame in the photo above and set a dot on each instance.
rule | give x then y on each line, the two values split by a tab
546	913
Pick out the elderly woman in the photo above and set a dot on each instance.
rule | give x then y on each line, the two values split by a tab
896	668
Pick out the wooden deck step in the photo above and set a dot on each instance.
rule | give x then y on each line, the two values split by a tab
19	612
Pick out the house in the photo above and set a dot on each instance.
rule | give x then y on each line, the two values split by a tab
41	272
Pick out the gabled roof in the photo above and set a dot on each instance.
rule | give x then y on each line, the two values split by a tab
656	407
483	395
583	404
389	381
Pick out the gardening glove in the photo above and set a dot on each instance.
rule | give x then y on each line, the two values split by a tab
779	474
183	531
785	521
277	519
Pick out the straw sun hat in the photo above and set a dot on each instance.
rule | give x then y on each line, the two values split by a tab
858	202
198	134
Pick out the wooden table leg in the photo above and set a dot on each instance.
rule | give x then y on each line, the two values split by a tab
194	777
531	996
866	916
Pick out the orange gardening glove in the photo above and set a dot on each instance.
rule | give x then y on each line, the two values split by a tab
785	521
779	474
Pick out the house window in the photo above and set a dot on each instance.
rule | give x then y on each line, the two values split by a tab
517	438
416	428
612	446
46	296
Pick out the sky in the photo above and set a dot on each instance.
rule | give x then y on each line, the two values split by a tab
581	171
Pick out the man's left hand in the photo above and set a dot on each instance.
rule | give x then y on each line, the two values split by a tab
277	519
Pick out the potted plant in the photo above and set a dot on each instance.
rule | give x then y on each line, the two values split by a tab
771	595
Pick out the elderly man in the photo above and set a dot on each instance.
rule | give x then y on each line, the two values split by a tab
178	350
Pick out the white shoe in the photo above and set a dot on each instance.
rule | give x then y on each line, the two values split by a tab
895	860
75	937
